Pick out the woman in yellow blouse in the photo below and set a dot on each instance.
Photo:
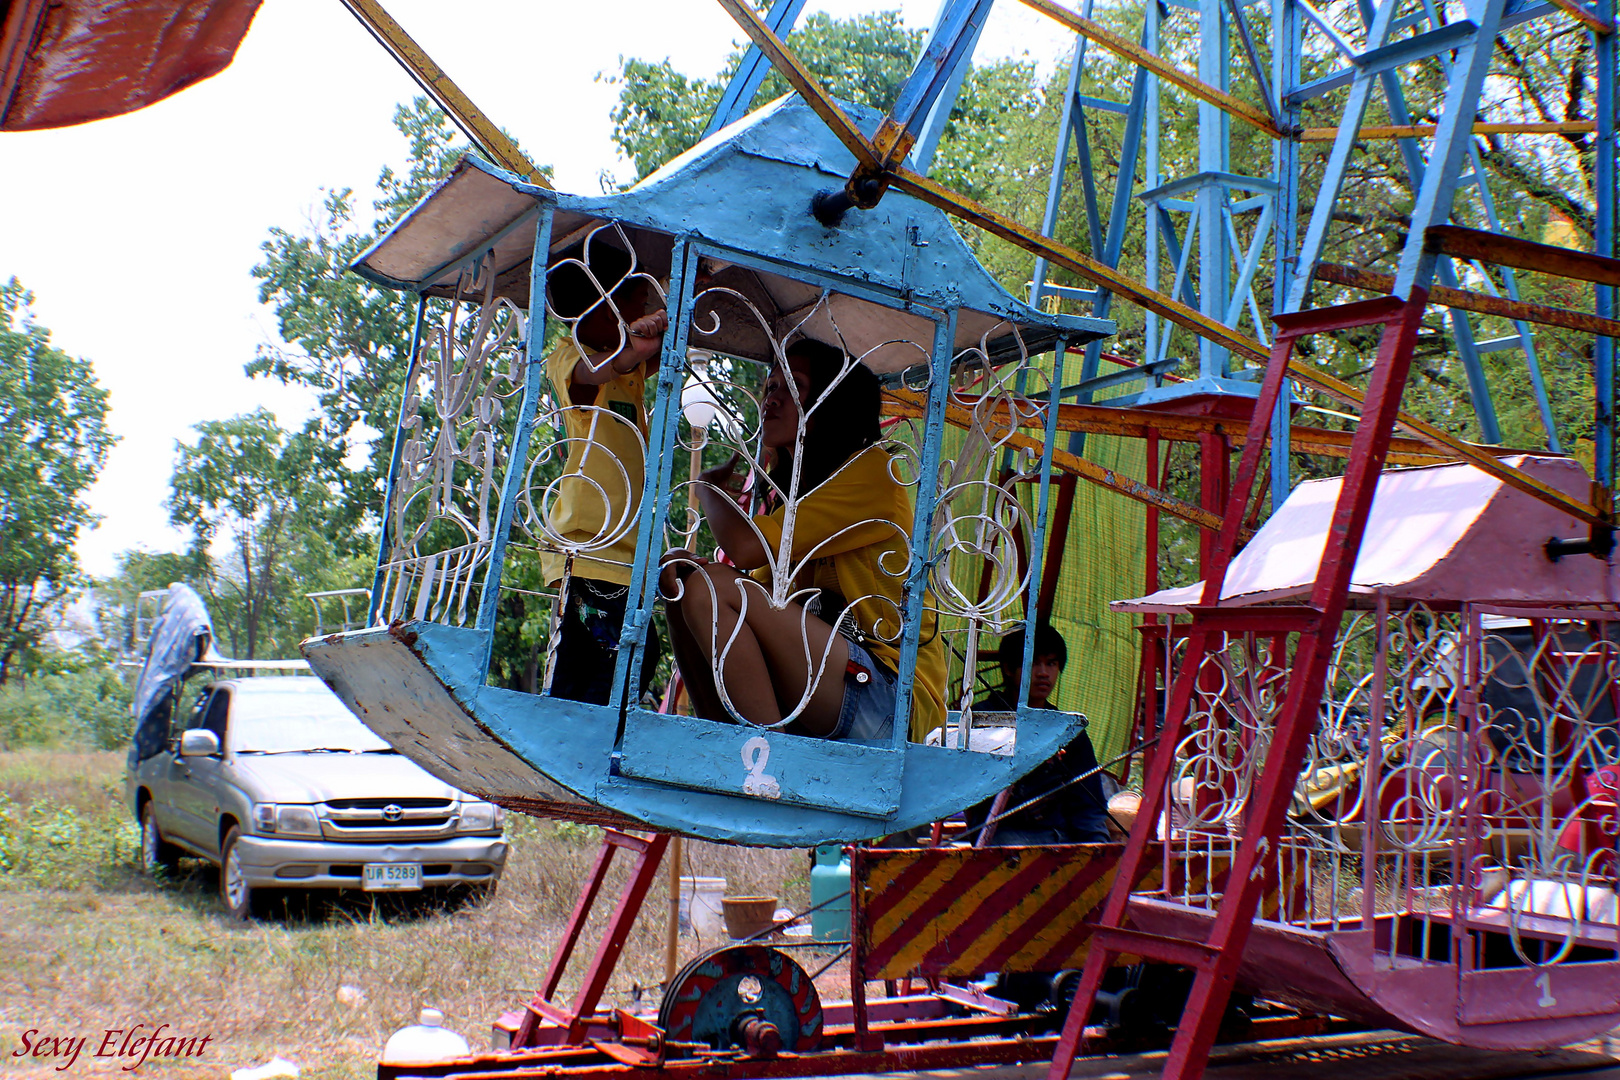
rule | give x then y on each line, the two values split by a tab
772	618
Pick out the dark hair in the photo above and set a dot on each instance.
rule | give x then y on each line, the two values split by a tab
570	291
1048	642
841	426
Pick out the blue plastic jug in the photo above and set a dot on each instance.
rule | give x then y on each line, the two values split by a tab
829	878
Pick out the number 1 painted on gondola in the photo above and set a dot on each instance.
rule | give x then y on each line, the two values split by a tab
755	753
1544	981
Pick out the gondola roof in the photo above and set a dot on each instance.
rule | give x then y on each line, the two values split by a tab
1442	535
745	194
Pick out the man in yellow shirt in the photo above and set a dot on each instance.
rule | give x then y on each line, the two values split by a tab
599	373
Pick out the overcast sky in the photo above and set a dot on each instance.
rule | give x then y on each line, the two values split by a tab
137	234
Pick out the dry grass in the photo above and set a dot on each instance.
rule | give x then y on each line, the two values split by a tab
106	947
84	780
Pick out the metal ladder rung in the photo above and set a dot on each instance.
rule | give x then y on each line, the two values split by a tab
1118	939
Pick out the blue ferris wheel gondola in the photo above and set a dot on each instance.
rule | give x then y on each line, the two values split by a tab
725	233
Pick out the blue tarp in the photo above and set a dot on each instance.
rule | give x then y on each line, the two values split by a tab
184	634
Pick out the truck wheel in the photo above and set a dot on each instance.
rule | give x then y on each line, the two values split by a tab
158	856
242	900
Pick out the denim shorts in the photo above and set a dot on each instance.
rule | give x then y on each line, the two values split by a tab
868	711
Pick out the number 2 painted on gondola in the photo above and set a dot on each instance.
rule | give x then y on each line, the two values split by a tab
755	753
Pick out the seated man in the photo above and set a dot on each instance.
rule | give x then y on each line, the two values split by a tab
1076	814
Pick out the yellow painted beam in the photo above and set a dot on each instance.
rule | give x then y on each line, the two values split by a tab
1584	16
1423	131
1173	427
976	213
905	403
936	194
443	90
798	76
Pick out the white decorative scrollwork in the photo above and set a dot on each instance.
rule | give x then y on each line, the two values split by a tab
1463	776
795	576
982	529
443	502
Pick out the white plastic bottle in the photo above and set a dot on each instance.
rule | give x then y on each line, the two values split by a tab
425	1041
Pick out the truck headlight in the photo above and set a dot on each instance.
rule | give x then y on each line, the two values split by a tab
297	821
480	817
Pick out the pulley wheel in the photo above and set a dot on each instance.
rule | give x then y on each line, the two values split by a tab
710	997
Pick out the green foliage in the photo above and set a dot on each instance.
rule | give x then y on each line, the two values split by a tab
61	846
661	112
274	514
343	338
53	443
568	832
83	707
988	142
26	718
271	496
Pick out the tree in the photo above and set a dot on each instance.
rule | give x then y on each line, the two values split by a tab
264	496
54	441
661	112
343	338
118	597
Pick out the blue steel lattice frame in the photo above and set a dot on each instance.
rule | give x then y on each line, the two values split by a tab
1384	50
939	386
1285	67
1037	553
656	490
939	113
1453	136
1468	350
1072	125
946	49
1603	175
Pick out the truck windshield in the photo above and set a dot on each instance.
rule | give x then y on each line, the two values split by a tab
304	716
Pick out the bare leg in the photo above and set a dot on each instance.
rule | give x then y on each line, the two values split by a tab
765	667
694	667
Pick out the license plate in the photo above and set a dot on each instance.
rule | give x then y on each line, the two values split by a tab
392	876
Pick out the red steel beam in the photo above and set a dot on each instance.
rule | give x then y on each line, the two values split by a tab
1253	869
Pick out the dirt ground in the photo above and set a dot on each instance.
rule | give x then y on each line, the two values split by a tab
90	945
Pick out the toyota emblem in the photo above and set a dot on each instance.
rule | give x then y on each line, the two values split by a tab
393	812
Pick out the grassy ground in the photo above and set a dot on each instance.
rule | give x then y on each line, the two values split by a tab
90	944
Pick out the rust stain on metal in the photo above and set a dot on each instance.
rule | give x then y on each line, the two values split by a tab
397	631
1521	254
1542	314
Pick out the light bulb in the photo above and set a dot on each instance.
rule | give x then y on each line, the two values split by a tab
698	403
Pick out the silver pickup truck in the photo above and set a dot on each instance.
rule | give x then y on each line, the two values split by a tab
273	780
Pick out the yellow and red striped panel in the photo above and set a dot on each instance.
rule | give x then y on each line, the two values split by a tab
964	912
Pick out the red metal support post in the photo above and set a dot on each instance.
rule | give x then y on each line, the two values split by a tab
1215	961
576	1017
1254	868
865	1038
